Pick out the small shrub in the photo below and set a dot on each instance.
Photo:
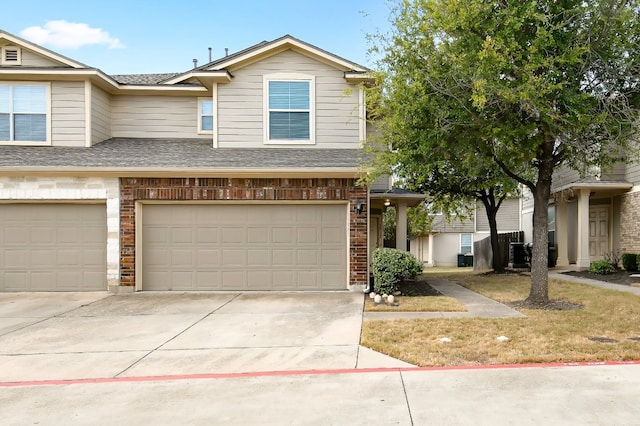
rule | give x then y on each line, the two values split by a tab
630	261
390	266
602	267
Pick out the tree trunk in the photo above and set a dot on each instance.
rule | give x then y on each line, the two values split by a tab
539	292
491	208
496	264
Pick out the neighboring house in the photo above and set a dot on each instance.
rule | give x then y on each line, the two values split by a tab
447	239
593	215
237	175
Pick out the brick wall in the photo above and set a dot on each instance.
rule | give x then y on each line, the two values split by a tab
630	223
323	189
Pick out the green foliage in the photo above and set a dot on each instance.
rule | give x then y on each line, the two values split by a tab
390	266
389	223
418	222
630	261
601	267
472	90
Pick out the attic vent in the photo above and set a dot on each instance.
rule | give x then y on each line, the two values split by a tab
11	55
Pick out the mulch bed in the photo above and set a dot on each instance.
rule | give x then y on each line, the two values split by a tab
619	277
552	305
417	287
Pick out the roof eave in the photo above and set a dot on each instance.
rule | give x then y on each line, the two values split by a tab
307	172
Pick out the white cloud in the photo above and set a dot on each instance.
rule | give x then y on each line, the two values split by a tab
69	35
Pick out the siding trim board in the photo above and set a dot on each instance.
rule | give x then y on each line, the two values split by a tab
136	191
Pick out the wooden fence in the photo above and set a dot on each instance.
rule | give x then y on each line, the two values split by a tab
483	255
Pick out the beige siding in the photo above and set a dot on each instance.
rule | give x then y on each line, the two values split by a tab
240	103
615	172
564	176
382	183
31	59
455	224
67	113
633	173
445	249
155	117
100	115
508	217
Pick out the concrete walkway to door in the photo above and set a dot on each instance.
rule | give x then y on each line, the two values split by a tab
60	336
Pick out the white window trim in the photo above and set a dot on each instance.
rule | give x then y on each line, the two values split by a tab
46	142
312	108
202	131
460	241
3	60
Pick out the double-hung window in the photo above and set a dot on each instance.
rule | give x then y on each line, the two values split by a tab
23	113
289	110
466	244
205	115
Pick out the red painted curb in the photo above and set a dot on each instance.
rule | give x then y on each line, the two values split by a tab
213	376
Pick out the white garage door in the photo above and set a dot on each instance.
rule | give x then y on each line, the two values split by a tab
53	247
244	247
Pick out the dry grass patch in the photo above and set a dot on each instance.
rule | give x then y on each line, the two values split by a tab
543	336
417	304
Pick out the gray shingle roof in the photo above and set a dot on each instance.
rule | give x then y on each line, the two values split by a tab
143	78
173	154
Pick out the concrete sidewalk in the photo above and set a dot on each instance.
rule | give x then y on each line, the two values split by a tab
558	274
478	306
529	395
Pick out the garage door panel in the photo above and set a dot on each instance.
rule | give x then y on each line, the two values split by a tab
233	235
42	235
258	258
182	258
334	235
206	234
53	247
283	257
155	234
259	279
233	257
182	280
307	235
248	247
69	257
182	235
258	235
307	257
233	280
16	258
282	235
16	235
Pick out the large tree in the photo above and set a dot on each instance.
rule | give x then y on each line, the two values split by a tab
524	85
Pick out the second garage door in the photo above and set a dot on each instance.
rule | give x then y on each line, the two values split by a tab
244	247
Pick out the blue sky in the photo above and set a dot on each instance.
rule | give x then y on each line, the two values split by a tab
141	36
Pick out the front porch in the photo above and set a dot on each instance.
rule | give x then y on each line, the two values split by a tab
587	222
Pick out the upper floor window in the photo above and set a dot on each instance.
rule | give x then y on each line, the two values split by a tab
23	113
205	116
289	109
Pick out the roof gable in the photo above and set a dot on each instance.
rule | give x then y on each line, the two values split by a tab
266	49
56	59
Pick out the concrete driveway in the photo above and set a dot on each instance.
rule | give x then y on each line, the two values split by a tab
60	336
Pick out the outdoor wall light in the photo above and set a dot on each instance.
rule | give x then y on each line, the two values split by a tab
358	206
387	203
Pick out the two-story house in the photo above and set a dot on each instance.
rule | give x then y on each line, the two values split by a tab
237	175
